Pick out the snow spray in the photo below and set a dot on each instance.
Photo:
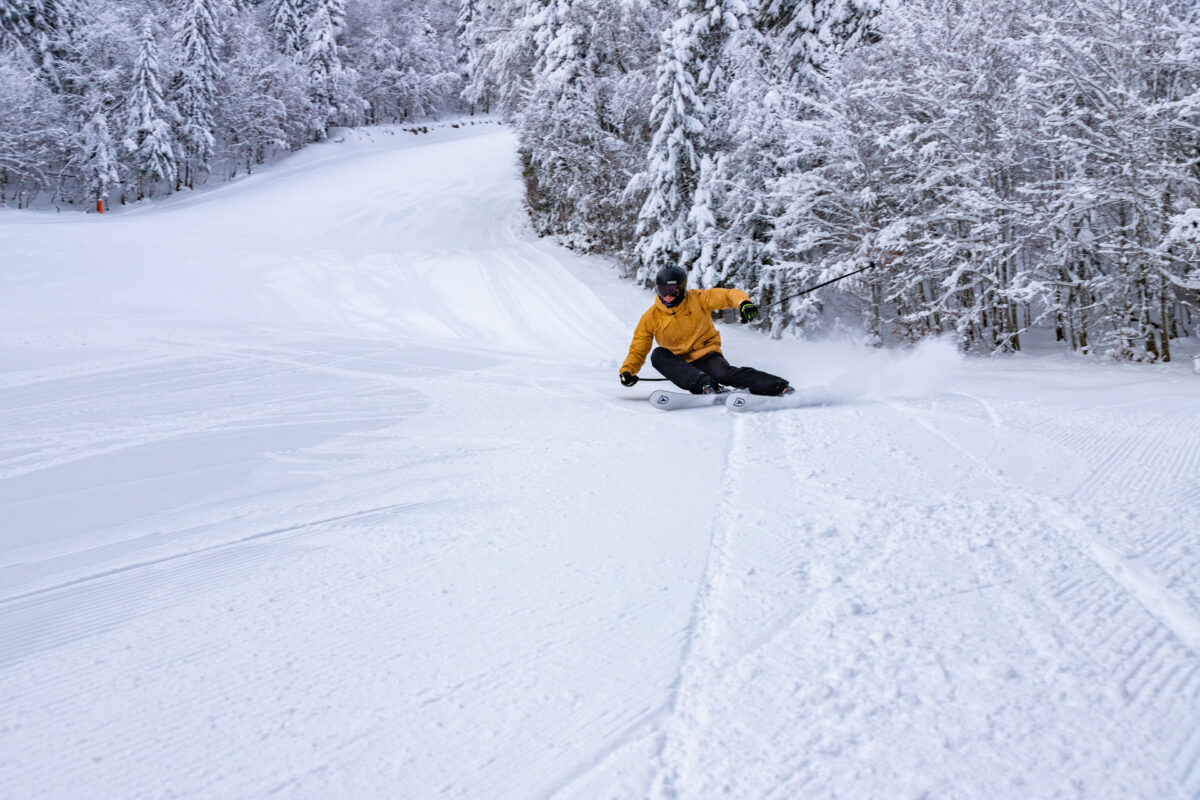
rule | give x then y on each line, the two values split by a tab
861	372
925	370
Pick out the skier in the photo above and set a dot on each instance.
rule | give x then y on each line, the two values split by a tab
689	354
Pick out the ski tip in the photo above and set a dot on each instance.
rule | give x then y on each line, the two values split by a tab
660	399
817	396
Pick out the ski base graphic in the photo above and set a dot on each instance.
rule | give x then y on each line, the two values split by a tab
671	401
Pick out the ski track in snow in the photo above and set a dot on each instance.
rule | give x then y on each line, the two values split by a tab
687	710
341	498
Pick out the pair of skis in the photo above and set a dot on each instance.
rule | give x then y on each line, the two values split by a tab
739	401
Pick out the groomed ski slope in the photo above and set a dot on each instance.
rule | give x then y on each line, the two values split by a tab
321	484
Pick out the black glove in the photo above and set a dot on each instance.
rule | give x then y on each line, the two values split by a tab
747	311
628	379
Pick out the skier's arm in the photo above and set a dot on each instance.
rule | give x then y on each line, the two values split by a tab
714	299
639	348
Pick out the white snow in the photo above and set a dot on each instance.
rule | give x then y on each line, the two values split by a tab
322	484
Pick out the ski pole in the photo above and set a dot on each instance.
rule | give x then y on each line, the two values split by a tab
870	265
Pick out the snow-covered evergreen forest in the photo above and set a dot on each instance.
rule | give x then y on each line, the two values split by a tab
1006	168
1013	166
119	101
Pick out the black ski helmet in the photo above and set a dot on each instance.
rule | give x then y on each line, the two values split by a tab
671	285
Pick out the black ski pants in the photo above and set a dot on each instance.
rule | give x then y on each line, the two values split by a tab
713	368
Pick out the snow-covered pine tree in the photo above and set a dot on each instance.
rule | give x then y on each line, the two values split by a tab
467	37
263	102
44	29
380	59
734	211
286	27
811	32
148	139
14	20
99	77
55	26
33	132
501	70
321	32
428	65
690	73
1181	249
97	159
196	88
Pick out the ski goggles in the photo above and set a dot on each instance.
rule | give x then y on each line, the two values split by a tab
668	291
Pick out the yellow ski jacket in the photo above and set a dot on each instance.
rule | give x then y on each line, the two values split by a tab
686	330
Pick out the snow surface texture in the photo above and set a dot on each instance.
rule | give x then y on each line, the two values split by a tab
322	484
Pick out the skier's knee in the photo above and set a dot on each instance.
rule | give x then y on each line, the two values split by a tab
659	355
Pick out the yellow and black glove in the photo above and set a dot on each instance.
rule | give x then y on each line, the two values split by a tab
628	379
747	311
